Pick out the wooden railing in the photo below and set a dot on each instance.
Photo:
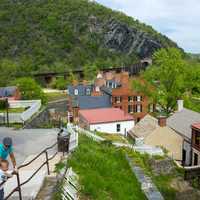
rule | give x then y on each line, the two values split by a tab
19	184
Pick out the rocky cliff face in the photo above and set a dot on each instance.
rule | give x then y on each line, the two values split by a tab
120	37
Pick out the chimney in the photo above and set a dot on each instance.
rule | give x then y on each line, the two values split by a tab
180	105
97	89
124	78
162	121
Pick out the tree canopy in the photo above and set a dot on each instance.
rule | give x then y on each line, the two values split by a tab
30	89
166	80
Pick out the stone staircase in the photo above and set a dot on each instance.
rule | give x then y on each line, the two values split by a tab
31	189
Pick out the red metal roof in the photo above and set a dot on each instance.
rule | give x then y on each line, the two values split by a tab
196	125
105	115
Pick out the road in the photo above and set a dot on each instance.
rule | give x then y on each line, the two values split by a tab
28	142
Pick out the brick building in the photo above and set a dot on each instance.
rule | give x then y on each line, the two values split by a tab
124	97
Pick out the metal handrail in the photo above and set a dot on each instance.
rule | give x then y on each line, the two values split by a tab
19	185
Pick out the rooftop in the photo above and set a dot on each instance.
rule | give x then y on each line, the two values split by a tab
146	126
82	90
105	115
7	91
91	102
196	125
181	122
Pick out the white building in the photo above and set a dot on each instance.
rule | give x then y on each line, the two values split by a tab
107	120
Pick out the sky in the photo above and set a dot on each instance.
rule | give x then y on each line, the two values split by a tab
177	19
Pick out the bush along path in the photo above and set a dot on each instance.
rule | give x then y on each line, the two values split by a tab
148	186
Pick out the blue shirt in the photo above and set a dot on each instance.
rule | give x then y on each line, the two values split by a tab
5	152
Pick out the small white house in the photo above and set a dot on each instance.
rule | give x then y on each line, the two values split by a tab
107	120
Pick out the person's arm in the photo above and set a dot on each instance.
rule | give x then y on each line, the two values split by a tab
12	157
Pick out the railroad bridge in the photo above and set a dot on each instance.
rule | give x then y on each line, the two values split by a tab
46	78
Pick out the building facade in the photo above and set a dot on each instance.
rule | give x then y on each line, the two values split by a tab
12	93
196	144
106	120
129	100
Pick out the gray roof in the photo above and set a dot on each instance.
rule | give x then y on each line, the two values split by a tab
82	89
145	127
7	91
181	122
91	102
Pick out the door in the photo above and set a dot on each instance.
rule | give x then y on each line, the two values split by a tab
195	159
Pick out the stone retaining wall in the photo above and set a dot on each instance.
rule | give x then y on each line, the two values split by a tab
43	118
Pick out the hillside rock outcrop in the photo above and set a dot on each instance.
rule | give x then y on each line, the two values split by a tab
121	38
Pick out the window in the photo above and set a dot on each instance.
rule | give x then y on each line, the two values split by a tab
118	127
76	92
135	108
130	108
139	98
197	138
139	108
151	108
183	156
118	99
88	91
130	99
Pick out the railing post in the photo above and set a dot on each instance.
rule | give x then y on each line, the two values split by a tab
19	187
47	162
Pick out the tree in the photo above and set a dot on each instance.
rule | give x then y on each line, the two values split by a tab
30	89
90	72
8	70
59	83
165	81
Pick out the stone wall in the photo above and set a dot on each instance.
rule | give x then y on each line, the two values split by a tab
44	117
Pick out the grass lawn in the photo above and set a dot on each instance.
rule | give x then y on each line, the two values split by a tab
193	104
112	137
13	110
104	172
53	96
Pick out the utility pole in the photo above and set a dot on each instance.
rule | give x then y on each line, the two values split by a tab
7	112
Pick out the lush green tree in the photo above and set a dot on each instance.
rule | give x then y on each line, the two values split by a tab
30	89
60	83
8	71
90	72
38	34
166	80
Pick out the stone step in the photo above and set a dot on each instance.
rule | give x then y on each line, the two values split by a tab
48	189
30	189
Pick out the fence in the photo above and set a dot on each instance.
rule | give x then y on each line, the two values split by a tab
46	162
73	141
141	149
32	105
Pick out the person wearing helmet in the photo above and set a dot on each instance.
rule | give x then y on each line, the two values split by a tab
6	149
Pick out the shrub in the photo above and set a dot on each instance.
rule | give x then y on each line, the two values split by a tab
30	89
2	104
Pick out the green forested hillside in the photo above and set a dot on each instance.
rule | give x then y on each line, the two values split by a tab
55	35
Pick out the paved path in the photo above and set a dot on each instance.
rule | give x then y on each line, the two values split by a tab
29	141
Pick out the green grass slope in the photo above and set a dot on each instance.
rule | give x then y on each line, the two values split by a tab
104	172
